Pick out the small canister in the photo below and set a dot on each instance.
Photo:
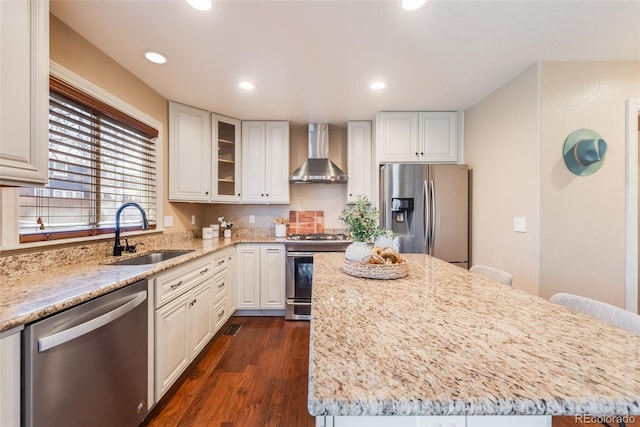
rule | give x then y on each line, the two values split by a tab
281	230
216	230
207	233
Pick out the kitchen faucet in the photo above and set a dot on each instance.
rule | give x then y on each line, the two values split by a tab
117	247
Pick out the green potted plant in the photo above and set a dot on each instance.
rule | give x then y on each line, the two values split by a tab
362	222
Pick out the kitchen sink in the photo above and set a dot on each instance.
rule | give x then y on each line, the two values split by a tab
151	257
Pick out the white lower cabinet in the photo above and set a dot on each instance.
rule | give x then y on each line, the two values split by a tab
224	295
435	421
221	284
260	277
391	421
509	421
231	281
183	322
10	343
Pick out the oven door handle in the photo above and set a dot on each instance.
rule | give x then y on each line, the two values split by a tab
294	302
299	254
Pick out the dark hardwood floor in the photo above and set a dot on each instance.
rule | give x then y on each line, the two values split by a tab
256	378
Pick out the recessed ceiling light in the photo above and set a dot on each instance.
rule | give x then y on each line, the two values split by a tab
412	4
377	85
246	85
200	4
155	57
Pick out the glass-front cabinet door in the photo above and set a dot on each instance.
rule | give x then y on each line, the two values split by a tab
226	159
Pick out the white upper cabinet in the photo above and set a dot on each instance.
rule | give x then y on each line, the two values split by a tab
397	136
24	85
359	160
189	153
225	185
417	137
265	162
438	137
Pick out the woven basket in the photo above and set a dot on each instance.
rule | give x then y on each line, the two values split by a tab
376	271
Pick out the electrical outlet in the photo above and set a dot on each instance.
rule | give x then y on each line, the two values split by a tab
168	221
252	219
193	219
520	224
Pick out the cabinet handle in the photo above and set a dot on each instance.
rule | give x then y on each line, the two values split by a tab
206	193
221	286
238	194
421	153
267	194
193	302
205	270
221	262
221	314
176	285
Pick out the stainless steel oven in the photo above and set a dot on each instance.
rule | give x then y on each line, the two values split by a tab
299	269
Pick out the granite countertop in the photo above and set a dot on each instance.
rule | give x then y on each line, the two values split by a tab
444	341
39	292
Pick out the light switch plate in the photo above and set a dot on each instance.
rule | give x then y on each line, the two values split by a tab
168	221
520	224
252	219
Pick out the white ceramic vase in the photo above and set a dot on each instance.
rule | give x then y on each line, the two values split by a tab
384	242
227	233
357	250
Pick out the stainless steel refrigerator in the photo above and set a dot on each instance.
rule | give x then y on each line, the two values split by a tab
427	207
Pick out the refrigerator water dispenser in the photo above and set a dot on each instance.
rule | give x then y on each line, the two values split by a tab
401	207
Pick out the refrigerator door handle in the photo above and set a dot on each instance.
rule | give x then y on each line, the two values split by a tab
385	217
432	233
426	218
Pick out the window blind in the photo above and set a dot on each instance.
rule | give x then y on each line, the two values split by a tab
97	161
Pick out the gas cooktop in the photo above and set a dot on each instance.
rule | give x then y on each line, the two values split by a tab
317	237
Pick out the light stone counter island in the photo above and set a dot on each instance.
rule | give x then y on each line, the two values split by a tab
444	346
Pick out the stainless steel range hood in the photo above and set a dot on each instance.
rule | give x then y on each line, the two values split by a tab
318	167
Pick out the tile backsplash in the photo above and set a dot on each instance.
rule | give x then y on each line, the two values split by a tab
306	222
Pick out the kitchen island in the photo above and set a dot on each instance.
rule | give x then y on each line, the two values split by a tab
446	342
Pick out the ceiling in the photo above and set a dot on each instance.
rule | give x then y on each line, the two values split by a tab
313	61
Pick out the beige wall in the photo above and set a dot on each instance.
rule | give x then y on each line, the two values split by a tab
501	150
76	54
581	219
582	239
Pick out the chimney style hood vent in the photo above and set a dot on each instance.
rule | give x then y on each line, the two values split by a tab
318	167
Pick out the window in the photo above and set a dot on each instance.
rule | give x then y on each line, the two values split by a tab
99	158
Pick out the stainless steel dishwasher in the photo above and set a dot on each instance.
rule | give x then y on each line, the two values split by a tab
87	366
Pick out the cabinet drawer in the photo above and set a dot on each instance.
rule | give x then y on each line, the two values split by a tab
219	315
181	278
220	285
219	261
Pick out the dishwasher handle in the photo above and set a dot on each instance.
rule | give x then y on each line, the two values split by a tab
62	337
